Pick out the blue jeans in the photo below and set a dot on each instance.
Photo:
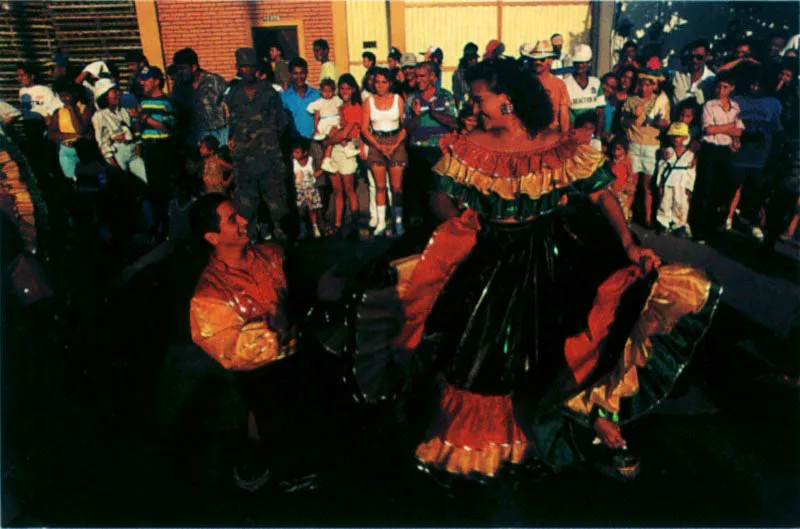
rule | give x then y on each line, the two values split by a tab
128	160
195	136
68	159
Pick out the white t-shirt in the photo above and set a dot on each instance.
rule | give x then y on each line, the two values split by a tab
304	174
328	113
583	99
38	99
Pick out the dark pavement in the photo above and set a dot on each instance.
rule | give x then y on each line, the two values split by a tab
112	417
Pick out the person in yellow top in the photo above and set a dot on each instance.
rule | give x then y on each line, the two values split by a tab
328	71
70	123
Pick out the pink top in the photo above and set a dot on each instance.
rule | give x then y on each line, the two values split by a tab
714	114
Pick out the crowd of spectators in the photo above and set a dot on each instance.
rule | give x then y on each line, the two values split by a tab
710	146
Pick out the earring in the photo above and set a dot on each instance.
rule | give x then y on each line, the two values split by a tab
506	108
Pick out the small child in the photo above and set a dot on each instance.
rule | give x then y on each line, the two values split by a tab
467	122
675	175
217	175
688	112
587	122
305	183
624	187
326	117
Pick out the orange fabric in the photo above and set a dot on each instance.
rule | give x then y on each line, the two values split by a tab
624	173
678	291
582	350
473	433
229	310
533	173
352	114
559	98
449	245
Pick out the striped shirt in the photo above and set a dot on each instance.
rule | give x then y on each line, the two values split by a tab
162	110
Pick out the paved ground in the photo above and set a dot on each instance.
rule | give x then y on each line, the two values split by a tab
112	417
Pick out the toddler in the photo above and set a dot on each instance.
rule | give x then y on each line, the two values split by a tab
587	122
305	183
675	175
217	175
326	117
624	186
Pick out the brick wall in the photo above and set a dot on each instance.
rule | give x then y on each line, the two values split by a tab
214	28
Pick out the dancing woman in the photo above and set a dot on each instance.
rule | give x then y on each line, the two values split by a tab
536	318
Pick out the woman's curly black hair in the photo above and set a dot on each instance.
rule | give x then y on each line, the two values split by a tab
531	103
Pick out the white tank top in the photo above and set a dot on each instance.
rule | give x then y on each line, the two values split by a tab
385	120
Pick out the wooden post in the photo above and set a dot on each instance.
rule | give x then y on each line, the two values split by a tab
150	32
602	22
397	24
340	43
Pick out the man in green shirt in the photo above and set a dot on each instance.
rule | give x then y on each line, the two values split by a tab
280	66
328	71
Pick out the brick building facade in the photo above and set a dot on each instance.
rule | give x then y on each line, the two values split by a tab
215	29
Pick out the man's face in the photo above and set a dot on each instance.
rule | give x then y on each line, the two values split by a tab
742	51
472	61
582	67
723	89
232	228
557	43
628	53
699	58
410	75
320	54
541	66
366	62
133	66
626	80
298	75
247	73
776	45
610	86
149	86
59	71
392	62
274	54
24	78
425	78
183	73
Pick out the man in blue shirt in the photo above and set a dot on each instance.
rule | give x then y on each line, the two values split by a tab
298	96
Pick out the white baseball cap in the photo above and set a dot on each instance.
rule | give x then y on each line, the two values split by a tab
101	88
582	53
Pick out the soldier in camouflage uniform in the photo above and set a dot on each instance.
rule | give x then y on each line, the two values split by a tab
257	120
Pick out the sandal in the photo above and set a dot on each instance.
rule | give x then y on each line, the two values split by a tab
621	464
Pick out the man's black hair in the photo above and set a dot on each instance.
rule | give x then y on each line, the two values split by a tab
203	218
298	62
321	43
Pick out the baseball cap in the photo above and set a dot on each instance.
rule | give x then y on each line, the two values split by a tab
582	53
395	54
151	72
493	49
408	59
678	129
101	87
470	50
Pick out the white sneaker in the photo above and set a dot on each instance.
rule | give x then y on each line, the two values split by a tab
327	166
757	233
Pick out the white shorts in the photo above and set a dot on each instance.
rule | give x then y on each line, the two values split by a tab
643	158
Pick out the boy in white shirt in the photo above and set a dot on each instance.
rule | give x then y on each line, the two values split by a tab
676	174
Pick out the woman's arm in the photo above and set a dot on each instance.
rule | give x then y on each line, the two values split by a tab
644	257
365	128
